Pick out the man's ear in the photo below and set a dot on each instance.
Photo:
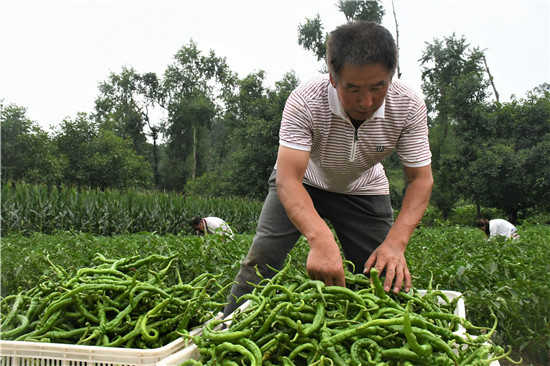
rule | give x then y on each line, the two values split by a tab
332	81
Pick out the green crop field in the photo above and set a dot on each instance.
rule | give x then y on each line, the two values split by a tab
507	278
71	228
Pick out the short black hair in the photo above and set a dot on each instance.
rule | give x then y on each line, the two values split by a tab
195	220
360	43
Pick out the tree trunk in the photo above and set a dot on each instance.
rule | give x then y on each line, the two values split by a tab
154	135
194	175
396	38
156	159
491	79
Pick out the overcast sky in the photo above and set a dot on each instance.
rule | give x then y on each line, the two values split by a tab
53	54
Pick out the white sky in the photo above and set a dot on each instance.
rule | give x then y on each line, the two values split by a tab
53	54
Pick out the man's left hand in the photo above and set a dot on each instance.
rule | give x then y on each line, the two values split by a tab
392	259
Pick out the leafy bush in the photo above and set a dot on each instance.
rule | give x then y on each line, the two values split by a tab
505	277
466	214
432	217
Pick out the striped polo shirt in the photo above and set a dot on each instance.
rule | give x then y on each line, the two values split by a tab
347	160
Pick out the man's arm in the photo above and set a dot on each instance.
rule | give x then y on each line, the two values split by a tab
324	260
391	253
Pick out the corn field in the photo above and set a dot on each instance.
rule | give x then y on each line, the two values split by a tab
38	208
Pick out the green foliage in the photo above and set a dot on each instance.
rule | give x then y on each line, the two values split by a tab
370	11
509	278
209	185
97	157
505	157
311	36
122	102
28	153
432	217
253	118
453	78
466	214
115	164
454	85
38	208
492	154
191	93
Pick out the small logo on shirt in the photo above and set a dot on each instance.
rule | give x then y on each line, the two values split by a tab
380	148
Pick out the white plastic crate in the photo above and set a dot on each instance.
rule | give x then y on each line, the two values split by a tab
460	308
16	353
192	352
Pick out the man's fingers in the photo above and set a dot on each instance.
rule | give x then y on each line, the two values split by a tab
340	281
390	274
329	279
399	277
369	263
408	280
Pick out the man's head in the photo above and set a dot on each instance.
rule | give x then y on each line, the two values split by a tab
361	59
196	223
483	224
360	43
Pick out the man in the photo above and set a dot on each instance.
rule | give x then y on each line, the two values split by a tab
334	132
210	225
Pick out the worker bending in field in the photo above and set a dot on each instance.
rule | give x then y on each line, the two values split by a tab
497	227
334	132
211	225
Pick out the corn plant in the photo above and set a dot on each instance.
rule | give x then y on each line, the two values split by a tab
39	208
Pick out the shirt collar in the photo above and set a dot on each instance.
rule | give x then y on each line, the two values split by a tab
336	106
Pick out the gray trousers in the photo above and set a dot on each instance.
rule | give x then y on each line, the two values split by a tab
361	224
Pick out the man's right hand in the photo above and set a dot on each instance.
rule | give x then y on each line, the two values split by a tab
324	263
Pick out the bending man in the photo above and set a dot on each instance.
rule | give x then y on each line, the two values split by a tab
334	132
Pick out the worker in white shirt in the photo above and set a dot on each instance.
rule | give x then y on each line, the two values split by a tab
211	225
497	227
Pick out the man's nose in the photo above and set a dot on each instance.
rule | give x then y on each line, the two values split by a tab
365	99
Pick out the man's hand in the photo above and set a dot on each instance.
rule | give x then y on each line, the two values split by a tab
390	255
324	262
392	259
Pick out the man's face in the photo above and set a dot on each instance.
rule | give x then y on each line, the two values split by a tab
199	227
362	89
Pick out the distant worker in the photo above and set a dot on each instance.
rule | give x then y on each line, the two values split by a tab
497	227
211	225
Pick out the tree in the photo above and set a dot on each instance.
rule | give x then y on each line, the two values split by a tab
73	138
492	154
312	37
254	117
149	88
512	166
369	11
454	85
115	164
188	95
99	158
120	101
28	152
